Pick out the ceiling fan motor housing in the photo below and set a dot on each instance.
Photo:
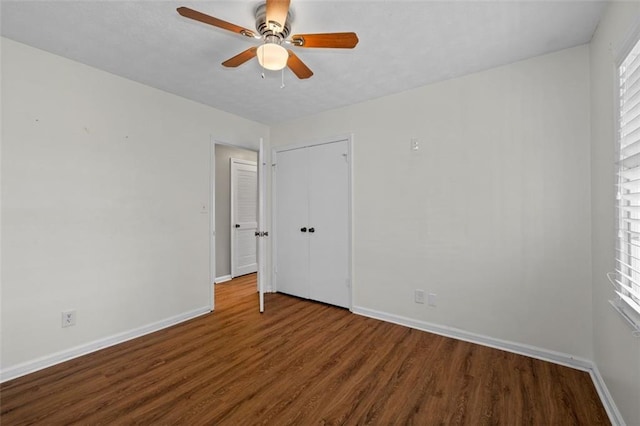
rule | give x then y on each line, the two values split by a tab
266	30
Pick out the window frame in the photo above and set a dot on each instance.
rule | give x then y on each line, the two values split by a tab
627	272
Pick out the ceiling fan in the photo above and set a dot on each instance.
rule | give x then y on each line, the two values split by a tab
273	23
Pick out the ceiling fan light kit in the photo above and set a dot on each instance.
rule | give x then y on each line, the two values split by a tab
273	23
272	56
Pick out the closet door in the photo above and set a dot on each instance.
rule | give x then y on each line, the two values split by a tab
328	177
292	247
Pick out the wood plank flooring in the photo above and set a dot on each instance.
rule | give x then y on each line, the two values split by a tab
301	363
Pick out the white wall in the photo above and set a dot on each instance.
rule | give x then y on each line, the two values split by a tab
103	182
617	352
492	213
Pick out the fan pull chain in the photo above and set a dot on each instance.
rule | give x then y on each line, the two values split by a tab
262	73
282	86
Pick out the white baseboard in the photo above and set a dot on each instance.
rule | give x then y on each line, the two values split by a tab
607	400
222	279
531	351
75	352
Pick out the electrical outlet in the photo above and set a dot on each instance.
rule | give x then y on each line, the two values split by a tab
432	299
419	296
68	318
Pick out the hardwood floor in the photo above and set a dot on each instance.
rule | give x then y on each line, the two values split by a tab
299	363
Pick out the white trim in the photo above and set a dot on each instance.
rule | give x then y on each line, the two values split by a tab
212	209
621	51
635	326
274	227
313	142
222	279
212	223
78	351
607	400
352	226
518	348
261	246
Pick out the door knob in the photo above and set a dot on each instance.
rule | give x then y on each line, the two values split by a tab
237	225
312	230
303	229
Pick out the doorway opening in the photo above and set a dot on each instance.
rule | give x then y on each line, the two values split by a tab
235	200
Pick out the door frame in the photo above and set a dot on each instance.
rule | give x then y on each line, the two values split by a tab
274	188
213	141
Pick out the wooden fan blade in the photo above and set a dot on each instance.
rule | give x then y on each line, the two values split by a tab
241	58
199	16
277	11
331	40
297	66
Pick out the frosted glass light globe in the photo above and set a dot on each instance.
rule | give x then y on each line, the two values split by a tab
272	56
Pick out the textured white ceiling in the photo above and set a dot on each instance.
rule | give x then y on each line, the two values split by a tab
403	45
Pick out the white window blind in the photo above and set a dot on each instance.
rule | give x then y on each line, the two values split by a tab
626	278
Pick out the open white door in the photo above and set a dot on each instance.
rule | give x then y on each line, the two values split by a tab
261	234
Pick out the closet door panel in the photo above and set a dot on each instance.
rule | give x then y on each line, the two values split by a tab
292	246
329	218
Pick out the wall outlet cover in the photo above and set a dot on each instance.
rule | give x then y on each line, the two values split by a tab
432	299
68	318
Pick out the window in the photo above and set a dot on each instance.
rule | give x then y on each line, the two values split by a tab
626	278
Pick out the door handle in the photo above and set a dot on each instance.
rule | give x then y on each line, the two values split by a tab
312	230
237	225
303	229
